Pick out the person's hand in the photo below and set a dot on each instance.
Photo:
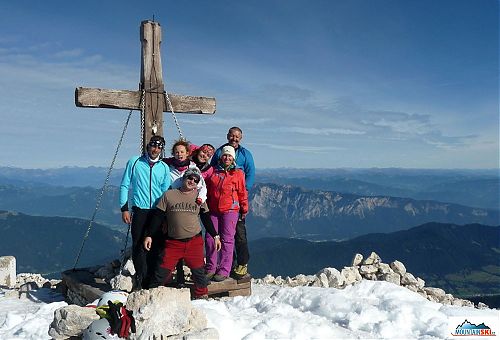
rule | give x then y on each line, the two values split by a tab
126	217
147	243
242	216
218	244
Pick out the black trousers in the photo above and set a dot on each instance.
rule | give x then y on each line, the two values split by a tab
144	261
241	243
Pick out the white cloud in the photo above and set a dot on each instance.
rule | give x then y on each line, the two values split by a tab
69	53
298	148
320	131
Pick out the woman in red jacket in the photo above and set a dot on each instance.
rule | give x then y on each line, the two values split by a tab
227	201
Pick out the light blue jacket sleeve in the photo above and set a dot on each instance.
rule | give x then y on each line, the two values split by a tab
249	169
126	179
167	180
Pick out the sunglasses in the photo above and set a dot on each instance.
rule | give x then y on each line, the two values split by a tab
193	178
158	145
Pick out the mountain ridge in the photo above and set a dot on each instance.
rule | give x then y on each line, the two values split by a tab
461	259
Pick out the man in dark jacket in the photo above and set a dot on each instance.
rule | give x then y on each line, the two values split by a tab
182	237
244	161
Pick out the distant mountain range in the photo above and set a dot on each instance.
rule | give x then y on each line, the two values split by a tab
65	176
48	200
275	210
288	211
49	245
463	260
475	188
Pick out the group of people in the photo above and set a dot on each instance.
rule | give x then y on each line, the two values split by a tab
168	198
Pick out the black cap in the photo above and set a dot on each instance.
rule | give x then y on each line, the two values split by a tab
157	141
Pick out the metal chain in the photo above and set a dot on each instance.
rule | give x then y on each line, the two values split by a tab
143	109
173	116
125	247
102	191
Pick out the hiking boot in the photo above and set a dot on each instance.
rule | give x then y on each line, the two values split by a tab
240	271
218	278
210	276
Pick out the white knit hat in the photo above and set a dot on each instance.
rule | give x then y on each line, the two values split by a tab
228	150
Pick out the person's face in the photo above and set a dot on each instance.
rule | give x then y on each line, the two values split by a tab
190	182
234	138
154	150
227	159
205	154
180	152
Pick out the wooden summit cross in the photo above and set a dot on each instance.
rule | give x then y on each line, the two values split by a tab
151	85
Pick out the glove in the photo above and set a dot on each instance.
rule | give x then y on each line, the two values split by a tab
115	317
128	323
121	320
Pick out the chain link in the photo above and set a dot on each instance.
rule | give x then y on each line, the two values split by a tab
143	119
174	116
102	191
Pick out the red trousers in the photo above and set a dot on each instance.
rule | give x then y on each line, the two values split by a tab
192	251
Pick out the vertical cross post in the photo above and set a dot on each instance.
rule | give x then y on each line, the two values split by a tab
154	102
152	81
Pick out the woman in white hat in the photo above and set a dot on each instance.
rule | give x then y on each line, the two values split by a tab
227	201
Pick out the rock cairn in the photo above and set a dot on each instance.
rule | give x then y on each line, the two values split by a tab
27	282
371	268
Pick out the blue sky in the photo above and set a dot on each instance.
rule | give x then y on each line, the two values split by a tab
334	83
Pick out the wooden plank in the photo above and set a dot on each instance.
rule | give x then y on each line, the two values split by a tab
83	283
217	287
227	285
131	100
226	288
240	292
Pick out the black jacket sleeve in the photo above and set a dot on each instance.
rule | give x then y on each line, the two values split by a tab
207	223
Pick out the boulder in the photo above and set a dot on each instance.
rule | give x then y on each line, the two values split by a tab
384	268
164	312
408	280
333	276
392	277
71	321
8	271
372	259
351	275
121	282
437	294
357	260
368	269
128	268
398	267
320	281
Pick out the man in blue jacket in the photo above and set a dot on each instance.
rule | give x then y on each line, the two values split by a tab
244	161
148	178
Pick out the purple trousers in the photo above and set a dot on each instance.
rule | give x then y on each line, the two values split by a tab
225	225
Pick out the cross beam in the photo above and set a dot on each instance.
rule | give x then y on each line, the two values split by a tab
155	101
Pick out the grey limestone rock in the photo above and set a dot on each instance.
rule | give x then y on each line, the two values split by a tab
71	321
